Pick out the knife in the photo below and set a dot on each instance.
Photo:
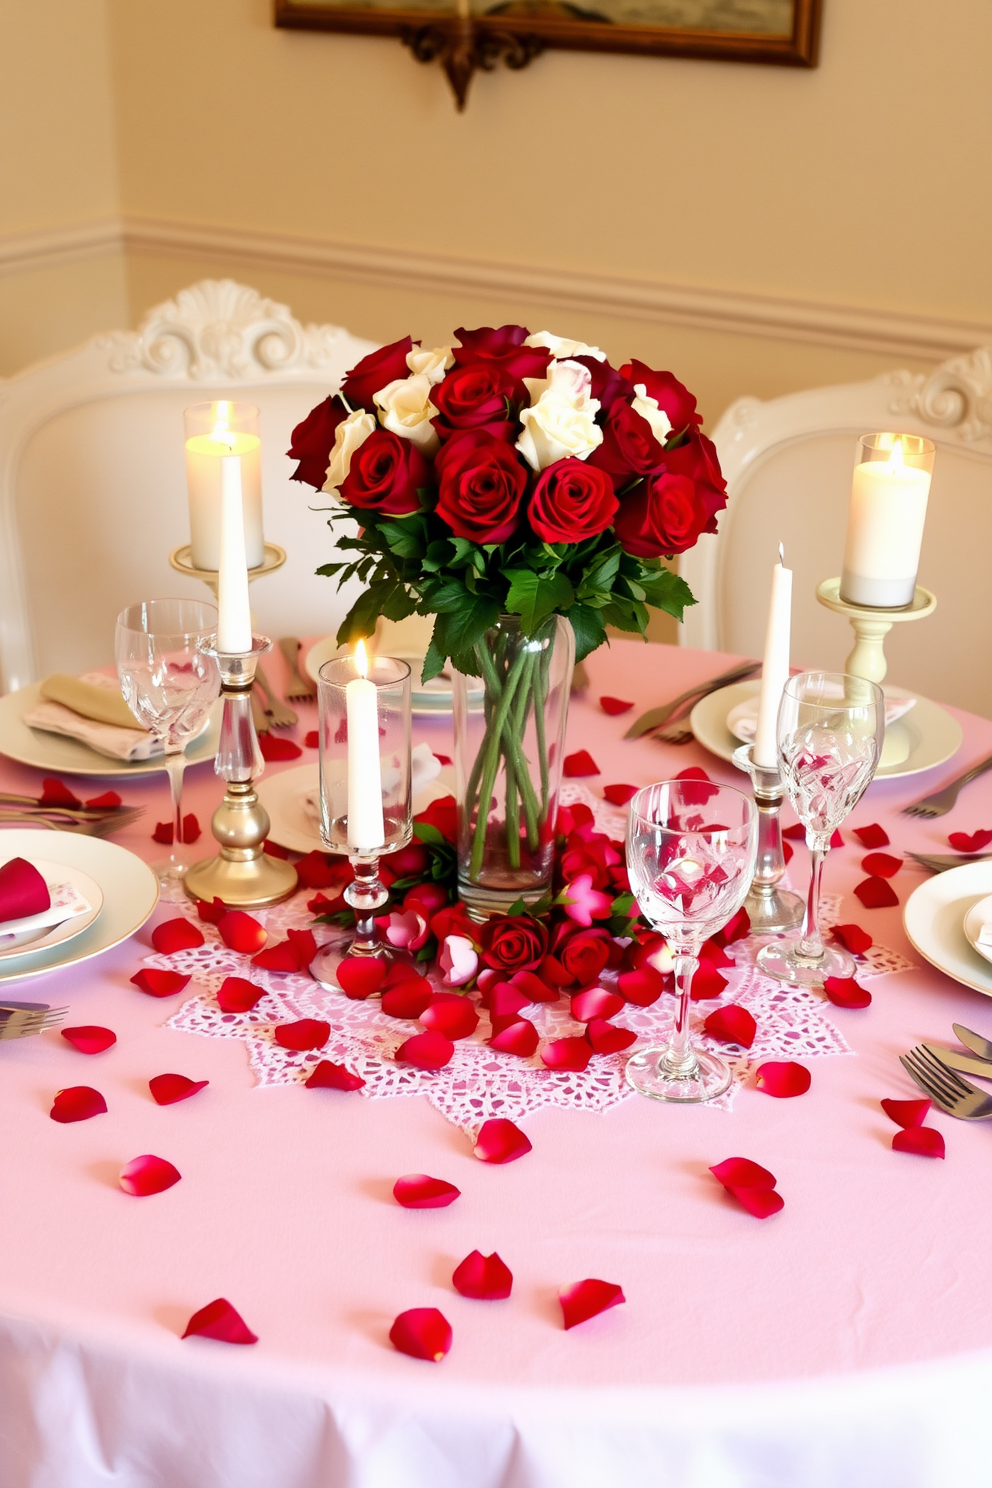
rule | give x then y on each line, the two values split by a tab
967	1064
974	1041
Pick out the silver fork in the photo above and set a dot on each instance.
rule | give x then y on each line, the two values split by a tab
678	732
655	717
941	801
940	862
300	689
99	826
282	717
952	1094
23	1019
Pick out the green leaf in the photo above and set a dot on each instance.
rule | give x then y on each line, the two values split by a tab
464	630
405	540
667	591
623	904
589	627
599	577
424	832
518	907
433	662
534	598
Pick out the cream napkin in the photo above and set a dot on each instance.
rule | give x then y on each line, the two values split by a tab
106	737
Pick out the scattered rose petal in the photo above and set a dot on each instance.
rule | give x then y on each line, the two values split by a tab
159	983
699	794
642	987
706	982
176	935
795	833
518	1036
23	890
739	928
503	1000
236	995
882	865
418	1191
451	1015
606	1038
874	836
579	764
732	1024
430	1050
398	972
533	987
405	929
107	802
443	759
275	850
856	940
876	893
241	932
281	957
907	1113
312	739
761	1202
783	1078
714	953
317	870
57	793
970	842
409	999
846	993
613	706
148	1175
499	1141
485	1278
596	1002
582	903
164	831
89	1038
211	913
619	795
567	1053
423	1333
328	1076
836	839
458	960
305	1033
278	749
787	851
191	827
360	976
587	1299
167	1089
924	1141
220	1320
741	1172
77	1103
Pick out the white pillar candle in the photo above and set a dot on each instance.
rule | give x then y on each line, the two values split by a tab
204	453
775	672
234	617
885	528
366	829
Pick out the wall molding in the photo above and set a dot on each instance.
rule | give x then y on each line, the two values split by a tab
854	328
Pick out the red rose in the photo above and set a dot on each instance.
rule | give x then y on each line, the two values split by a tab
607	383
374	371
665	515
410	861
503	348
628	447
571	501
482	483
313	440
481	396
584	955
386	473
697	458
668	393
513	942
441	814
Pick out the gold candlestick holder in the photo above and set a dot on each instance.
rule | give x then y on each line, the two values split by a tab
242	874
871	626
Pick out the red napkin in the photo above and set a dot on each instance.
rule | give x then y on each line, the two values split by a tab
23	891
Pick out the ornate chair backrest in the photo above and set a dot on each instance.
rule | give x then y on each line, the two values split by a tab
93	482
788	464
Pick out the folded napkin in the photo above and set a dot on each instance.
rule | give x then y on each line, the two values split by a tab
101	696
102	701
424	767
23	891
742	721
67	903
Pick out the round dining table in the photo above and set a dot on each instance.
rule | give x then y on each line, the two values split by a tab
845	1342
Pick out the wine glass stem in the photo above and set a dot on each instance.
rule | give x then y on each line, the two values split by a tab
811	943
176	765
679	1057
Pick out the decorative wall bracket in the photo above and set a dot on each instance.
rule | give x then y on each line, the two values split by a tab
463	48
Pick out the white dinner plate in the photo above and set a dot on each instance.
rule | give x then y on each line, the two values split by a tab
934	916
290	826
931	734
57	873
128	885
978	915
435	696
64	756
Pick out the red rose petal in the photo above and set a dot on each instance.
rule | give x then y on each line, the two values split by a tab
795	833
241	932
970	842
699	795
714	953
167	1089
567	1053
579	764
741	1172
419	1191
147	1175
856	940
236	995
312	739
606	1038
77	1103
409	999
619	795
836	839
783	1078
732	1024
614	706
176	935
443	759
739	928
220	1320
787	851
846	993
430	1050
423	1333
876	893
211	913
907	1113
281	957
328	1076
305	1033
360	976
57	793
642	987
874	836
191	828
451	1015
158	983
89	1038
502	1000
398	972
924	1141
485	1278
596	1002
587	1299
278	749
517	1036
499	1141
706	982
275	850
882	865
533	987
317	870
108	801
761	1202
554	975
163	833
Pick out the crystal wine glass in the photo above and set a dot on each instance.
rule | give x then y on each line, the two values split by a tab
169	684
830	731
691	852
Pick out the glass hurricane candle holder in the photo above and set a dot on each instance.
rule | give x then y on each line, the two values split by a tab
365	808
214	430
888	508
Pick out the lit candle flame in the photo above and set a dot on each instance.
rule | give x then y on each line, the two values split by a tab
221	430
361	660
896	457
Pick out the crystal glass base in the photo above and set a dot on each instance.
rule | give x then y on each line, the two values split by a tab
707	1076
170	874
773	911
781	959
324	966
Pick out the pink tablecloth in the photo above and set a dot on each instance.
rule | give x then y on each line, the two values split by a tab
847	1341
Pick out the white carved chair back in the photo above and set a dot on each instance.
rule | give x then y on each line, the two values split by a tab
788	465
93	482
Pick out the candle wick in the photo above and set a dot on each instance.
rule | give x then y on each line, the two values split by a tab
781	554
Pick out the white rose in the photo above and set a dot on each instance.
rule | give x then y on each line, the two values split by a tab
562	421
661	424
407	410
432	364
349	437
559	346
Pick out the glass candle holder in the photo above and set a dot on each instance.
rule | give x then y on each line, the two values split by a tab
214	430
885	520
365	808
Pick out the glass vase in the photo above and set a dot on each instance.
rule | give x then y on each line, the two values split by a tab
509	740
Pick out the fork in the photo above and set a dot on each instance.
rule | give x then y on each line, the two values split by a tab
678	732
941	801
22	1019
655	717
940	862
952	1094
282	717
300	689
100	826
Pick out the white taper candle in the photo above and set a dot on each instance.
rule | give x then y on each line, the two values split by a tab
366	829
234	618
775	671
